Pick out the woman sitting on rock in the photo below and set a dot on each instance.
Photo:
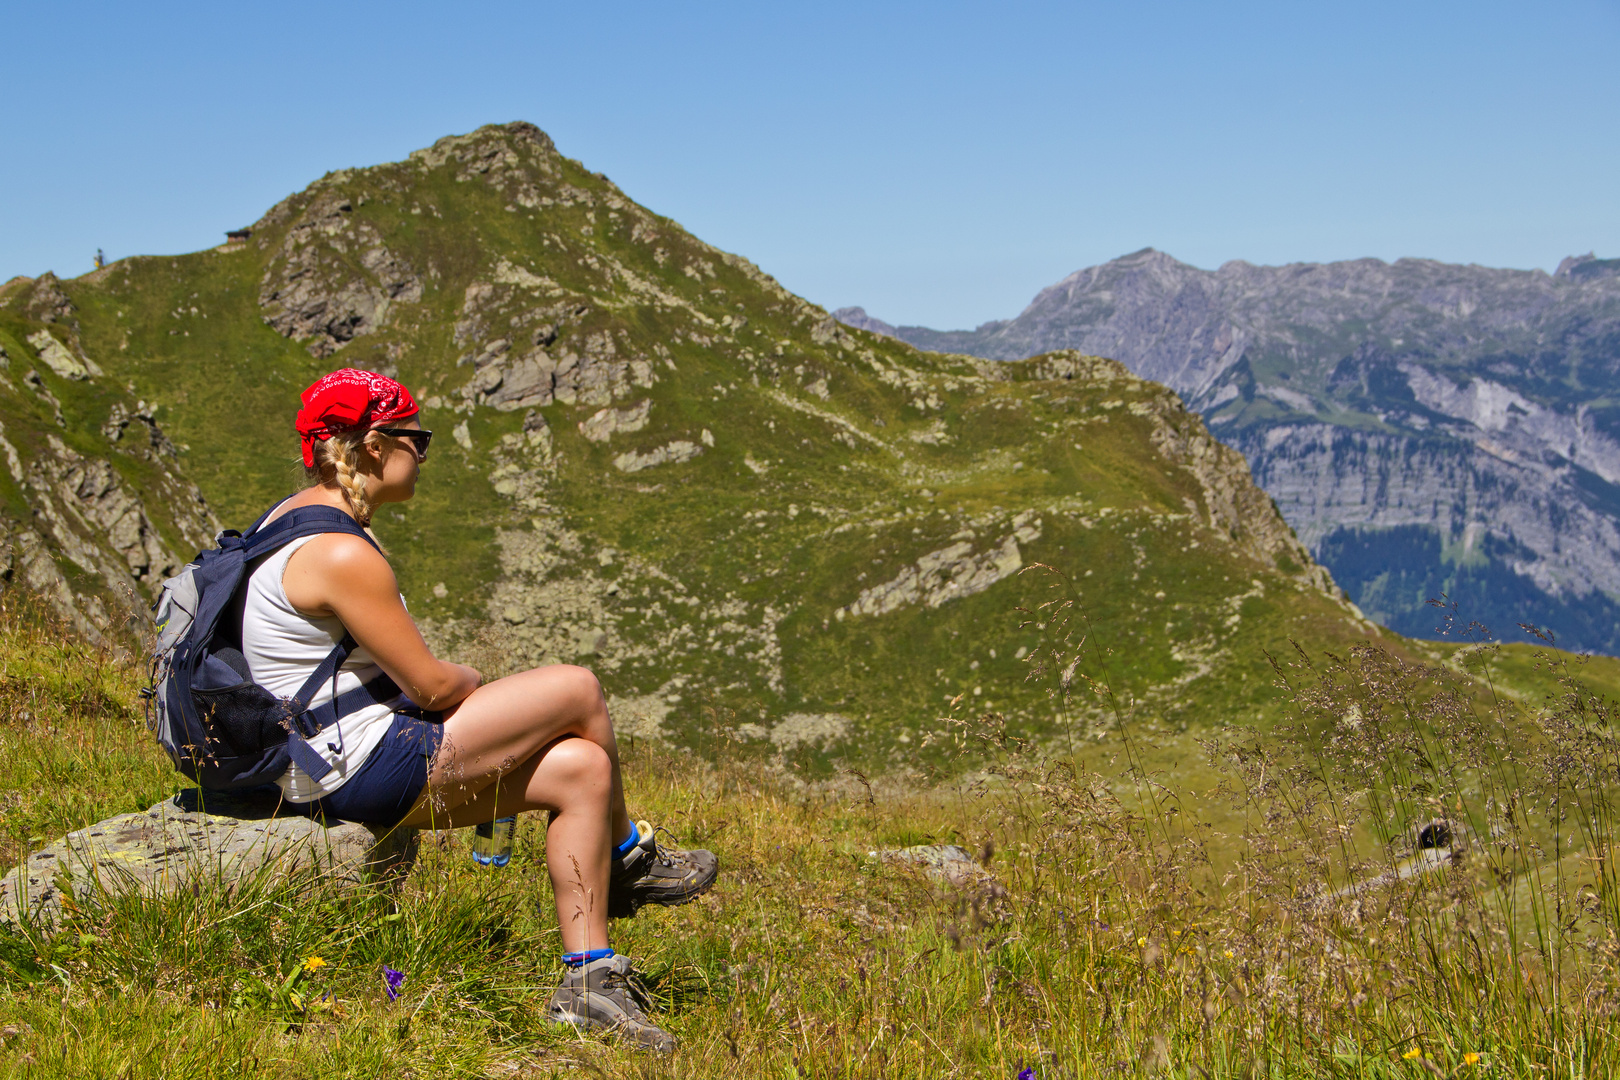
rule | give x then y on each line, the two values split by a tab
448	751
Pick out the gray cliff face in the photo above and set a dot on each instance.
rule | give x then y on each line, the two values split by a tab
1425	427
94	509
333	280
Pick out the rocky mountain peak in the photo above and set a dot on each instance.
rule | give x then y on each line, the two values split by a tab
755	523
858	318
1587	267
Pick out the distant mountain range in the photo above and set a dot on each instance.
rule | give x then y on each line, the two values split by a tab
1427	429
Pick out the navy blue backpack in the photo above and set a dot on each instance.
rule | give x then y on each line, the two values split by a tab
221	728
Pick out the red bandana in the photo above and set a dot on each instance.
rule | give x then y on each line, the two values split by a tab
349	399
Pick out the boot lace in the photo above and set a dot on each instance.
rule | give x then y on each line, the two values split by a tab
631	986
675	858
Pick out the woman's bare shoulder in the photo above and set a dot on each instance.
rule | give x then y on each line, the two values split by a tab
333	567
343	553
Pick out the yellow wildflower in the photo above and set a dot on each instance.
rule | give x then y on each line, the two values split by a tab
313	962
1411	1054
1141	941
1175	933
1470	1058
1229	954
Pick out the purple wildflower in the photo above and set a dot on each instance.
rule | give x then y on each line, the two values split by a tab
392	981
1026	1074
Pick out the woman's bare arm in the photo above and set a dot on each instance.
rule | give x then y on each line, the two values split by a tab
342	575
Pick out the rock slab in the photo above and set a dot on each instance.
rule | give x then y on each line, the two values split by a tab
192	837
945	864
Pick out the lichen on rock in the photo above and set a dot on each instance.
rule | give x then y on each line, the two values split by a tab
193	838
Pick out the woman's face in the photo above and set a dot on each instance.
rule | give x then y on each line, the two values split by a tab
398	462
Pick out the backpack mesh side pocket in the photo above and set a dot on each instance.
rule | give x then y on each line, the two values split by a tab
241	715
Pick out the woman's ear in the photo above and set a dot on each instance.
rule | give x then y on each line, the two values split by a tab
371	451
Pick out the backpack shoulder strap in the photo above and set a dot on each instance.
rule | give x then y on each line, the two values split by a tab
262	539
253	528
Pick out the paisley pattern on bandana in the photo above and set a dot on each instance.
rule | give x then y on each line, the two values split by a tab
349	399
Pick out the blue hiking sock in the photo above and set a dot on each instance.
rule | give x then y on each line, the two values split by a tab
575	959
629	845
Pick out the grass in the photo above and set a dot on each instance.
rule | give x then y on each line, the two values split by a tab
1108	929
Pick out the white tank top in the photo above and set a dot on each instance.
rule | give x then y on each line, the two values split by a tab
282	648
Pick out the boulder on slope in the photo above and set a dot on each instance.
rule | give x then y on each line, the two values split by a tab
192	837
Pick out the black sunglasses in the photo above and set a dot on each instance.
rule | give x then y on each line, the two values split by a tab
420	437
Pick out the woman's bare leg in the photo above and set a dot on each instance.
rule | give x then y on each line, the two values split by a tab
502	724
572	779
539	740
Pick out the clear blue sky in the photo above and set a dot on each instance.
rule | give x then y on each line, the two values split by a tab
936	163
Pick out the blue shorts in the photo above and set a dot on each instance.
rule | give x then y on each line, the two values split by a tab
385	787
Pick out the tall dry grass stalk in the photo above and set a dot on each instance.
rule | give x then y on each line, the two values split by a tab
1424	866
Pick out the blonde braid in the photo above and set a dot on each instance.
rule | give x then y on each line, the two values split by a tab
338	459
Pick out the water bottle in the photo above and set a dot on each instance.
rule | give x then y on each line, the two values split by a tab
492	841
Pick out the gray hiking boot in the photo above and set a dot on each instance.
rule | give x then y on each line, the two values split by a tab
651	874
605	995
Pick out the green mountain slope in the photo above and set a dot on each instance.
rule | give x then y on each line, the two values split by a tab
755	524
94	504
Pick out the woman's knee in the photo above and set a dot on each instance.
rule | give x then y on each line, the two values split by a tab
577	764
580	686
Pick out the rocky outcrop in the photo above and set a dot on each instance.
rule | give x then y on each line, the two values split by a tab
140	426
88	515
539	377
60	359
546	356
673	452
93	496
1234	503
46	302
603	424
334	279
945	864
948	574
1587	267
26	559
106	514
196	839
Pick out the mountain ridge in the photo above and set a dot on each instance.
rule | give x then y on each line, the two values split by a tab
762	529
1466	411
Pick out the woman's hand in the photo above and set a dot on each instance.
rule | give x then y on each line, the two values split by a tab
342	575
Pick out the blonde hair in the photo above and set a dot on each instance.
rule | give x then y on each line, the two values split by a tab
338	458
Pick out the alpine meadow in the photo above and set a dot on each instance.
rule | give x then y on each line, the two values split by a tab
1030	738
